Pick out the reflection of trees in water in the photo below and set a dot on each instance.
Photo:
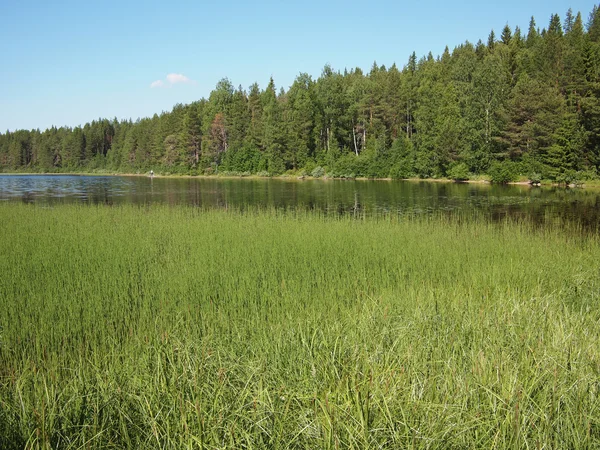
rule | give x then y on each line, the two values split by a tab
572	215
27	197
100	193
539	206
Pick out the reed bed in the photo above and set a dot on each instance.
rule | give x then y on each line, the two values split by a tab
180	328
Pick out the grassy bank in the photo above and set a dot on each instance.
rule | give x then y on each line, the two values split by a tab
179	328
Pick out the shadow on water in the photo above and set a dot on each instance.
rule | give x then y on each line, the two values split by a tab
540	206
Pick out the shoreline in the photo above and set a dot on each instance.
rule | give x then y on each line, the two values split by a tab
593	185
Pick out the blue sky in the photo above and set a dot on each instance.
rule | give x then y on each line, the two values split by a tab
75	61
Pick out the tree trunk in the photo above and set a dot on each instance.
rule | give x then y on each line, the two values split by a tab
407	120
354	138
487	125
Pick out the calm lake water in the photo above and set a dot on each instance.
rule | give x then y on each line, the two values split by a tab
540	205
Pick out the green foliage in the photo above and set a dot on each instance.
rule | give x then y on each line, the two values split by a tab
274	160
587	175
402	170
244	159
535	178
503	172
402	165
317	172
349	166
459	172
567	177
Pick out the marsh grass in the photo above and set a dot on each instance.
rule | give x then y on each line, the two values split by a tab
134	327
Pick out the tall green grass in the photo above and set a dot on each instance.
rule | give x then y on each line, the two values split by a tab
133	327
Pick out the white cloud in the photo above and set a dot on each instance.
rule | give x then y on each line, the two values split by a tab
175	78
171	79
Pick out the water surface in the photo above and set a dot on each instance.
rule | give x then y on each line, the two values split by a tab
540	205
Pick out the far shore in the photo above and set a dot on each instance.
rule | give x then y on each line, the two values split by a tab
590	184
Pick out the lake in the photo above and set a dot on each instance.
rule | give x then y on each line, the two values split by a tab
540	205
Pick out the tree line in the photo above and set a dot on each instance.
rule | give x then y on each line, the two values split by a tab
518	104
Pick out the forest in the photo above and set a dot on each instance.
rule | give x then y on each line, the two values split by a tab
516	105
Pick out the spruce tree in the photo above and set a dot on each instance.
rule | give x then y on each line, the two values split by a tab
506	35
491	43
190	138
532	33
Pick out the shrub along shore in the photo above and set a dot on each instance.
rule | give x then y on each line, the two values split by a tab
177	327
